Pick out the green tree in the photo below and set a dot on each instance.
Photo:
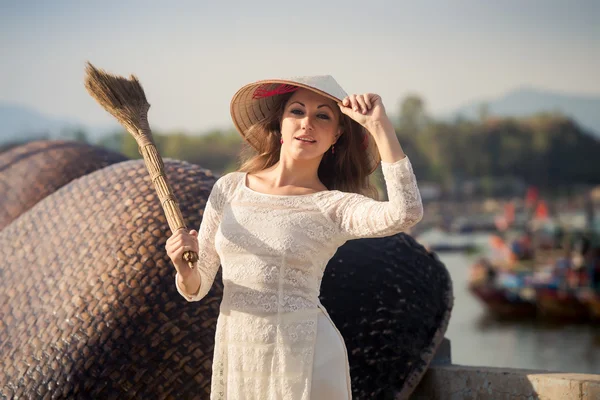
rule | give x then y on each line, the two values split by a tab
412	114
483	111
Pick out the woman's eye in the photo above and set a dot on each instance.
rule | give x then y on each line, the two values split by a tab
297	111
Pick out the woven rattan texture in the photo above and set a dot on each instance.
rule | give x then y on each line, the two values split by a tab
32	171
88	303
89	309
391	300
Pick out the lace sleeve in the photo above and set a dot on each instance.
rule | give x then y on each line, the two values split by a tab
358	216
208	258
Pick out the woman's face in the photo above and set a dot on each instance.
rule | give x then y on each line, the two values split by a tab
310	125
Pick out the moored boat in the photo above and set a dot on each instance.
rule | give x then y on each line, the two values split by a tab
503	302
556	303
591	299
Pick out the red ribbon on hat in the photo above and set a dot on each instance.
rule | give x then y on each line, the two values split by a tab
262	91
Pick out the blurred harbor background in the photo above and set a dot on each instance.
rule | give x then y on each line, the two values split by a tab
496	104
480	339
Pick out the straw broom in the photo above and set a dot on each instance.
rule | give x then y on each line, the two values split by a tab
125	100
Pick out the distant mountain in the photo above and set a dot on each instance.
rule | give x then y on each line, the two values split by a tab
22	123
585	110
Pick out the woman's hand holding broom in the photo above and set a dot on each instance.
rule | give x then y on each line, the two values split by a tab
180	242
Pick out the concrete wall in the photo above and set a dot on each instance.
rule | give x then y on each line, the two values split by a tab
445	380
456	382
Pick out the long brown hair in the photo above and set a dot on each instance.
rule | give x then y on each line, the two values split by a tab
347	170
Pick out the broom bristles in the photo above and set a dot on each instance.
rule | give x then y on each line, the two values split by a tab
126	101
122	98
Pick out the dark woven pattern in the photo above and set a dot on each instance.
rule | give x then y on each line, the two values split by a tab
89	309
32	171
391	300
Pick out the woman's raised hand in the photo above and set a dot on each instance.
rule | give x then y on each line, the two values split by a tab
180	242
366	109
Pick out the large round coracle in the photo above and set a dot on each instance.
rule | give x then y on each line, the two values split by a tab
391	299
32	171
88	303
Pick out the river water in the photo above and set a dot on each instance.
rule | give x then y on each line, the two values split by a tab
478	340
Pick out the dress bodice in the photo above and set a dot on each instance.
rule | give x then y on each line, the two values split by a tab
273	250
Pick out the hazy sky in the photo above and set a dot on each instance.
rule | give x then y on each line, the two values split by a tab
191	56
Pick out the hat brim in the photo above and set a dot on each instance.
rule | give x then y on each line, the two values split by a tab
246	110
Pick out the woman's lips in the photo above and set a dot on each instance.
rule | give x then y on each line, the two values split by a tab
305	141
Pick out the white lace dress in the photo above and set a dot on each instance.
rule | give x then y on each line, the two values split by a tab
274	339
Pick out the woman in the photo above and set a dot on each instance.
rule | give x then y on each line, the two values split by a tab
275	224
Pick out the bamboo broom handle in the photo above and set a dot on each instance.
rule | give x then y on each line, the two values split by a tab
156	169
126	101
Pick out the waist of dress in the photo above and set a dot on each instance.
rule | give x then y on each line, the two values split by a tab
262	303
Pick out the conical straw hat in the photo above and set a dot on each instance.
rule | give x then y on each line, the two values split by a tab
257	100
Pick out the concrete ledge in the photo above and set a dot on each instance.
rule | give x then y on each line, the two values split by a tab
456	382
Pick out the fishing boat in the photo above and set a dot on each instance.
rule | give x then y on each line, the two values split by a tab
593	304
502	302
557	289
556	303
502	293
591	299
